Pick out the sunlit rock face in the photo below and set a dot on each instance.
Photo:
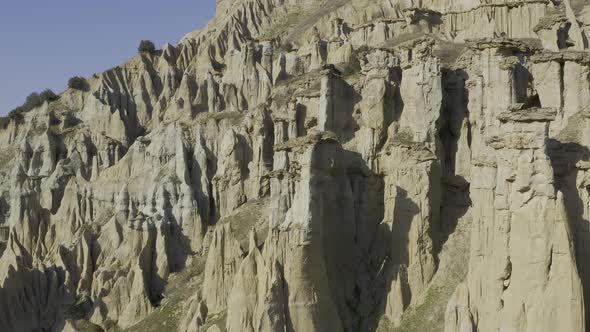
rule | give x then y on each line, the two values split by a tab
303	165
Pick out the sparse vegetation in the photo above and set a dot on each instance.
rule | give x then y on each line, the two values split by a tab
284	23
385	325
180	287
219	319
86	326
104	217
6	156
166	175
4	121
80	309
232	116
428	313
353	67
33	101
78	83
448	53
253	214
578	5
48	95
146	46
404	135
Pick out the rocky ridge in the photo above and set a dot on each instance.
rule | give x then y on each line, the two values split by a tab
306	165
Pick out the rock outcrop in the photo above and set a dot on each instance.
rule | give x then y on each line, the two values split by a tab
306	165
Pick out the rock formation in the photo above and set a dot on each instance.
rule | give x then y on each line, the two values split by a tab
307	165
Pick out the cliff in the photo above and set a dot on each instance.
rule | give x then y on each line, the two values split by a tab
307	165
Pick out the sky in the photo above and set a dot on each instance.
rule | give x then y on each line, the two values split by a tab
44	43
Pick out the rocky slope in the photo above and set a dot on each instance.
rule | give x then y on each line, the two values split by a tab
307	165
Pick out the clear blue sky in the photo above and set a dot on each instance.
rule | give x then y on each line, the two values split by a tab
44	43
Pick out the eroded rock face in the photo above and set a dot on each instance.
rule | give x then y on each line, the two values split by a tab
313	166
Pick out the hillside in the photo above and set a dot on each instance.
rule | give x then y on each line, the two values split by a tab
307	165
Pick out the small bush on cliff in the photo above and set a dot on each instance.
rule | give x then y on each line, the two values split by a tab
78	83
146	46
32	101
48	95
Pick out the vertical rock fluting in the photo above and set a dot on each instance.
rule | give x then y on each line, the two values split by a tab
522	269
312	235
312	166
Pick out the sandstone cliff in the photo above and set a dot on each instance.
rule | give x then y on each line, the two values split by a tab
307	165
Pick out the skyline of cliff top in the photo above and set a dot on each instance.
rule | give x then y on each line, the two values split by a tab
45	44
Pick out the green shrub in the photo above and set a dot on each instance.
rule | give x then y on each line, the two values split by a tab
78	83
146	46
48	95
33	101
16	114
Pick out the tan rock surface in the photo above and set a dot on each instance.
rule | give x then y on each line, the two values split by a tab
307	165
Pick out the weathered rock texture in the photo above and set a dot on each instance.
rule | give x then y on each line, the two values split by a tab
307	165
